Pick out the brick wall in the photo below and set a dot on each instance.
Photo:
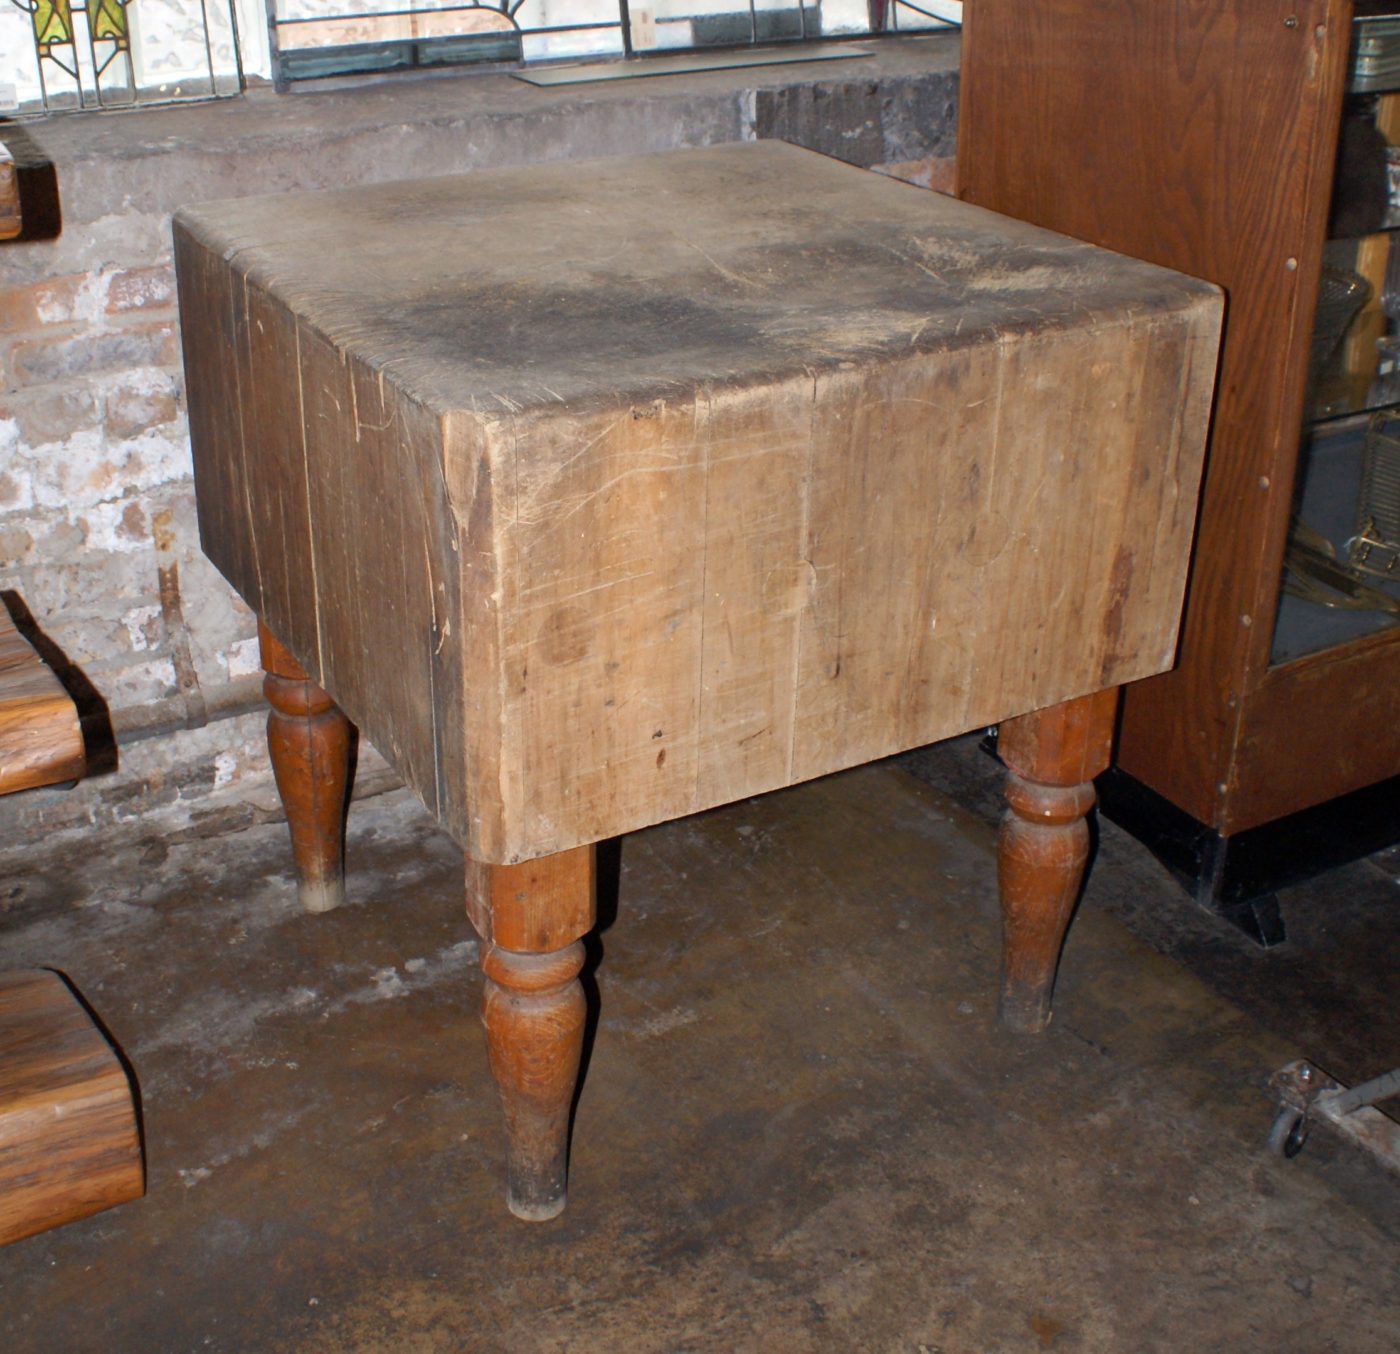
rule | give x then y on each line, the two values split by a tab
96	504
97	525
97	536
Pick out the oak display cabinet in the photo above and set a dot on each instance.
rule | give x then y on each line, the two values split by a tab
1205	137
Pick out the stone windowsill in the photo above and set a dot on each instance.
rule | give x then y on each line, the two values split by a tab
898	105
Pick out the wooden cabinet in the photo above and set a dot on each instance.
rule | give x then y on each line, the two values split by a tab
1203	136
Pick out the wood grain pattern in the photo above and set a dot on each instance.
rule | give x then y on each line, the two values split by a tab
1200	137
41	741
1052	757
640	487
68	1138
532	917
534	1012
308	740
1345	736
536	906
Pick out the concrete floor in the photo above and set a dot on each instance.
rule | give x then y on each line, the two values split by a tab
800	1128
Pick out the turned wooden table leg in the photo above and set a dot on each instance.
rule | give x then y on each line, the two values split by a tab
531	918
308	739
1052	757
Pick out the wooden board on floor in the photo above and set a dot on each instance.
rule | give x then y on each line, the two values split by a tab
68	1139
41	741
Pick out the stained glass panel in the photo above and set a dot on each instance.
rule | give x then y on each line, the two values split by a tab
56	55
52	24
107	19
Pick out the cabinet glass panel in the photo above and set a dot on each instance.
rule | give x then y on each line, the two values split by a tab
1341	577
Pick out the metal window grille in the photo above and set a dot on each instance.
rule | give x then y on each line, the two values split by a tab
312	38
116	53
90	54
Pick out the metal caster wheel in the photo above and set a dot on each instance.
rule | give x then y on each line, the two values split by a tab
1289	1132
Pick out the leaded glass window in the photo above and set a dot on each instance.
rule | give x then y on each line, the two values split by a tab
57	54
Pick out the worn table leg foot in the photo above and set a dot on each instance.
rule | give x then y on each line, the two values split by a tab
534	1012
1052	757
532	918
309	741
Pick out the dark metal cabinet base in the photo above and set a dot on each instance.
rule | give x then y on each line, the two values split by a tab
1238	876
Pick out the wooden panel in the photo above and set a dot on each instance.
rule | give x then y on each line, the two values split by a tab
685	499
903	533
211	299
714	603
1199	137
68	1139
755	583
1338	710
41	742
289	431
1052	506
388	643
270	423
475	670
603	561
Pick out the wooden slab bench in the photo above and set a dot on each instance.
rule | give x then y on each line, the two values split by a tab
69	1144
41	741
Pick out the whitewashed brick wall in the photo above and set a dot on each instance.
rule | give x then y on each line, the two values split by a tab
97	521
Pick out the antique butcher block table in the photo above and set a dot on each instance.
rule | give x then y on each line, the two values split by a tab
598	494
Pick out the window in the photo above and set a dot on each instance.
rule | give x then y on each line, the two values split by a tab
62	54
57	54
325	37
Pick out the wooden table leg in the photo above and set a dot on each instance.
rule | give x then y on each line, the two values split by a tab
532	918
308	739
1052	757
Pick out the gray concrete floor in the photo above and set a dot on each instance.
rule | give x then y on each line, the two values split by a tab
800	1128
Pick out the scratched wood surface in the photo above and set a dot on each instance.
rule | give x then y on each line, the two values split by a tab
599	494
41	741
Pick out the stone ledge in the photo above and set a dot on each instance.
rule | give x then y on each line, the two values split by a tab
96	505
896	105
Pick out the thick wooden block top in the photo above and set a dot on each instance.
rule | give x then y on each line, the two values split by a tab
570	287
600	493
41	740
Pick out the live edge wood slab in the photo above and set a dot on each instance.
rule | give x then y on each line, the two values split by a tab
598	494
41	739
69	1144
